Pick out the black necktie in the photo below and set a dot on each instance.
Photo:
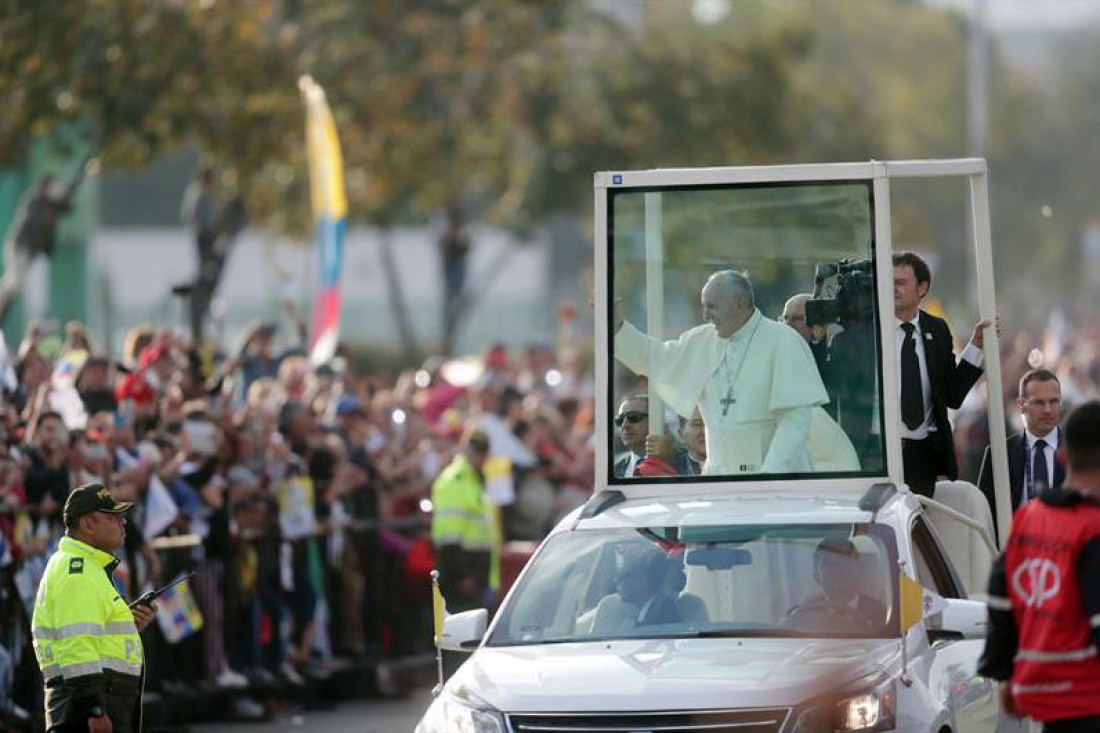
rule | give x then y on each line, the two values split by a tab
1040	469
912	397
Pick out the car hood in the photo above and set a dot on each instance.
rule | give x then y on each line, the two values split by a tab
669	674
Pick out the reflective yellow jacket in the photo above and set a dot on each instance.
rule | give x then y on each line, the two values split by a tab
85	639
464	532
461	513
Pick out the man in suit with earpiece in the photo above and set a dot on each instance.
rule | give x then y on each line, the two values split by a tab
1033	462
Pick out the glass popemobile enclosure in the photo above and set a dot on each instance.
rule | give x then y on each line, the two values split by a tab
701	277
746	311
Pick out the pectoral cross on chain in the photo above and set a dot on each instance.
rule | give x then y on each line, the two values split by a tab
728	400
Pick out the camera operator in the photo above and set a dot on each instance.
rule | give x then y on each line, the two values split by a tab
844	295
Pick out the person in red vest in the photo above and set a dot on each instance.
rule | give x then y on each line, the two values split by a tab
1044	595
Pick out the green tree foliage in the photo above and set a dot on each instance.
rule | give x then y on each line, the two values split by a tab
439	102
440	107
142	77
498	111
667	92
145	74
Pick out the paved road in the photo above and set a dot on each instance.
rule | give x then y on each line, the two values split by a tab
356	716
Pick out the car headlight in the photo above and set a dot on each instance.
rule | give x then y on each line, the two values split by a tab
866	711
460	712
869	711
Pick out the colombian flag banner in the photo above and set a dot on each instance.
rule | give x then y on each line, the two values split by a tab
179	615
330	207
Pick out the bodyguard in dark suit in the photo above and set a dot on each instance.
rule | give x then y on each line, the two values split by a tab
932	379
1033	462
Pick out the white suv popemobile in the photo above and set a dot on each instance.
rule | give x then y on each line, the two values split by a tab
741	645
739	598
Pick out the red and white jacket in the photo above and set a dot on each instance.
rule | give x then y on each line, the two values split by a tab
1044	608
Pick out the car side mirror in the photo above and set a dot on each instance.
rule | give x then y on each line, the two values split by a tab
961	619
462	632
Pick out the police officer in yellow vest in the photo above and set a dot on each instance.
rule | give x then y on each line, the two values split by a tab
85	635
464	526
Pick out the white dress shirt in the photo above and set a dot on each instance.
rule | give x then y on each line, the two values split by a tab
970	354
632	465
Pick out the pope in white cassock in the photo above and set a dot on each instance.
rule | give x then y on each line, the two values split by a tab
754	380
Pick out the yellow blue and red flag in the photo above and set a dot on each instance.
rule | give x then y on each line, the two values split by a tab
330	208
179	614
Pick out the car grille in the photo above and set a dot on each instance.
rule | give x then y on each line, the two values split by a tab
766	720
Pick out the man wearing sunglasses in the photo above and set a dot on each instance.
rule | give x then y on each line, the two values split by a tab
648	454
632	421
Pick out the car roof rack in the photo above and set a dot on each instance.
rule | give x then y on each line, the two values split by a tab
877	496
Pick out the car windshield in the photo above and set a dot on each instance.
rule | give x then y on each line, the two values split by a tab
775	580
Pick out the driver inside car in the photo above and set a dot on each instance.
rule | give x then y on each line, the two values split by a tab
641	599
838	604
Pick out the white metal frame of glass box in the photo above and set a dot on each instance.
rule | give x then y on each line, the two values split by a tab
879	173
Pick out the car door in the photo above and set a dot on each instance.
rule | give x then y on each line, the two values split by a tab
953	677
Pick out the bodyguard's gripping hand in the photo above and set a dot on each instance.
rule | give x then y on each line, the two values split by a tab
143	614
978	337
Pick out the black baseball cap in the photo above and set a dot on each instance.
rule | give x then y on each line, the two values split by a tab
92	498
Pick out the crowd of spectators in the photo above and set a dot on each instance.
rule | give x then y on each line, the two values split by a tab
299	494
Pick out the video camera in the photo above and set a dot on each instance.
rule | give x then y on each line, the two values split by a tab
844	293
